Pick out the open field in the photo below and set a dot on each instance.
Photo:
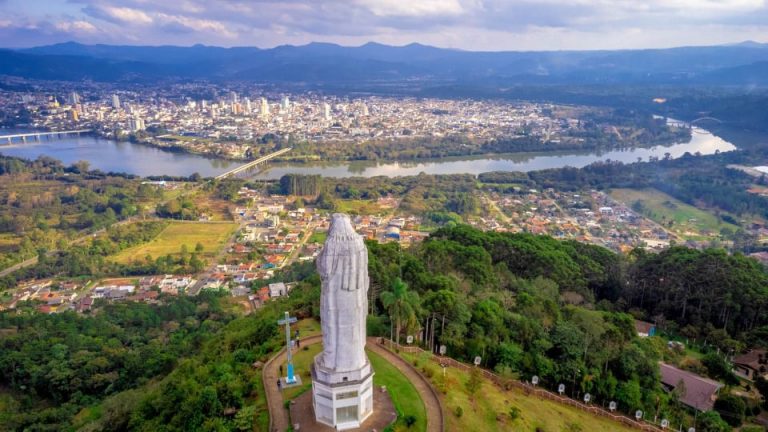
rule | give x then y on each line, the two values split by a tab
364	207
211	236
687	221
318	237
488	410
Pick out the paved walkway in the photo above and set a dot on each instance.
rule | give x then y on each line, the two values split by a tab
278	415
428	394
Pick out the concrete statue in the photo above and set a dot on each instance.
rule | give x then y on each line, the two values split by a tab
342	378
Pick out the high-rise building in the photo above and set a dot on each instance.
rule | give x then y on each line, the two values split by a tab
73	115
115	101
233	97
136	123
74	98
248	109
264	107
365	109
326	112
285	104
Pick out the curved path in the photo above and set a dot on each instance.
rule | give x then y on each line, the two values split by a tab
428	394
278	415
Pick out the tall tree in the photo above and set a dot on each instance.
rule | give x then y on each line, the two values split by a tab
403	306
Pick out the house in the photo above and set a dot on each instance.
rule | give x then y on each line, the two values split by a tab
700	393
84	304
645	329
277	289
752	364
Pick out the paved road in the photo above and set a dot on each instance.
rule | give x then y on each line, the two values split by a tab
278	415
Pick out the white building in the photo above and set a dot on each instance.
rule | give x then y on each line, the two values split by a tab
115	101
342	377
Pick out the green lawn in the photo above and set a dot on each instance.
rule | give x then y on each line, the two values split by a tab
482	412
404	395
318	237
169	241
687	221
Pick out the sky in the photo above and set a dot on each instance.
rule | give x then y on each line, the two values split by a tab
464	24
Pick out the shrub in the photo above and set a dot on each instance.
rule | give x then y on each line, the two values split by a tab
731	409
514	413
458	411
409	420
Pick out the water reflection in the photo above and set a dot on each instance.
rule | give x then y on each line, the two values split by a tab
108	155
702	142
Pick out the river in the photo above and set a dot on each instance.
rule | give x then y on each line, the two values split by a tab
108	155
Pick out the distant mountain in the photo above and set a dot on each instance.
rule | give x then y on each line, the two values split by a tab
377	63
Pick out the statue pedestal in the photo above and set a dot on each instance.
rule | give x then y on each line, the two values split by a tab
284	383
342	399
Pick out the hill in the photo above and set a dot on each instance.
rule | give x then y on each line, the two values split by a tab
373	62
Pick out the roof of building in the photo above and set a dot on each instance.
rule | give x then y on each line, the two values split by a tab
643	326
756	359
699	391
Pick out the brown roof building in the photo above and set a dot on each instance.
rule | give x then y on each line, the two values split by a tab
751	365
700	393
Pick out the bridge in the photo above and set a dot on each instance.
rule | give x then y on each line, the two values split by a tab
252	164
38	135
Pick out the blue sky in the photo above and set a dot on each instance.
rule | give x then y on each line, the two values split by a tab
465	24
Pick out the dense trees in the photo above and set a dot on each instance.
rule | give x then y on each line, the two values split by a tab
700	288
180	366
531	305
304	185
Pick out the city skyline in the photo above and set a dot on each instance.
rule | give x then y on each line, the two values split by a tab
476	25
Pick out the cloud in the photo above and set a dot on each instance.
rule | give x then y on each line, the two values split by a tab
421	8
122	15
468	24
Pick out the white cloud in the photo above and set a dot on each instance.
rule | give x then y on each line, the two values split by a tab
412	8
76	27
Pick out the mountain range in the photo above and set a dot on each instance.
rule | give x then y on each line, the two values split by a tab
740	64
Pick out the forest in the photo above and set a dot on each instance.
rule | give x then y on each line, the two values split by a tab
564	311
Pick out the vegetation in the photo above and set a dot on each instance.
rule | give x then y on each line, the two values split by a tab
531	305
179	366
47	205
305	185
178	239
685	220
496	409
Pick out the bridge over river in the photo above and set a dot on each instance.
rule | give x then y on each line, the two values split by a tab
252	164
38	135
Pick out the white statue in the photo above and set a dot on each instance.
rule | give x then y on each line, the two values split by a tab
342	378
343	268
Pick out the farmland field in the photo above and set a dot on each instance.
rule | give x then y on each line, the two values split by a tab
682	219
212	236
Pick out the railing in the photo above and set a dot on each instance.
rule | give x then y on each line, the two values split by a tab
528	389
